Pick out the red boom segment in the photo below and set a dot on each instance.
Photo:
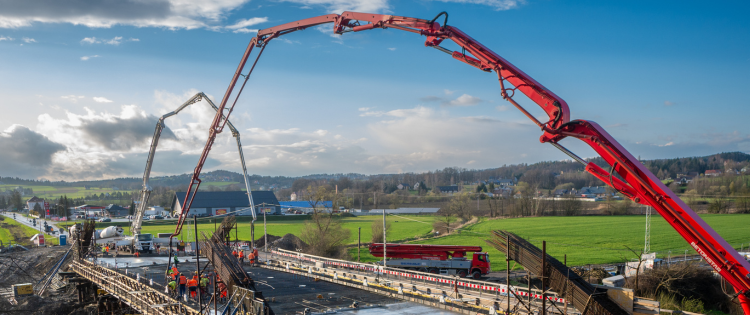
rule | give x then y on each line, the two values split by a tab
419	251
637	182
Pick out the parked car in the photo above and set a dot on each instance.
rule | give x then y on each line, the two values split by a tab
158	217
105	220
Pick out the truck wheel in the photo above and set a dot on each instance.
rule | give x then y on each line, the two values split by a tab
423	269
434	270
462	273
476	275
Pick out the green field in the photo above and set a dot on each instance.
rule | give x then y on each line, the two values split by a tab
281	225
597	239
585	239
10	228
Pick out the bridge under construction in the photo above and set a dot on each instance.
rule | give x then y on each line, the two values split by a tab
301	283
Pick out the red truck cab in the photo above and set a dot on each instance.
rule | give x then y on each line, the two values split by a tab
481	262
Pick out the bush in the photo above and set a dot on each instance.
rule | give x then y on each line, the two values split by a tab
684	286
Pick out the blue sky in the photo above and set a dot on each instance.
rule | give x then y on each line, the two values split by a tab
83	82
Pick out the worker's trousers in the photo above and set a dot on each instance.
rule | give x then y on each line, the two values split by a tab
182	290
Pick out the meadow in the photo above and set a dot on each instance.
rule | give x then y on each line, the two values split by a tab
401	227
591	239
12	230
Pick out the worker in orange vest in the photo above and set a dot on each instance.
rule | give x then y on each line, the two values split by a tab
234	253
241	256
183	284
251	257
255	256
193	286
175	273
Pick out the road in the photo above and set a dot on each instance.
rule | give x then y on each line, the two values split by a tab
40	223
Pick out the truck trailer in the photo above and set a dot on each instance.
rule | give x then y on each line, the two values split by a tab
438	259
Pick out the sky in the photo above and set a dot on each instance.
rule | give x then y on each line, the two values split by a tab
84	82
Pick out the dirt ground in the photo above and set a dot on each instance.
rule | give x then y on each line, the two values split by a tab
29	267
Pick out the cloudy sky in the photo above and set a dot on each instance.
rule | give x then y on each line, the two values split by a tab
83	82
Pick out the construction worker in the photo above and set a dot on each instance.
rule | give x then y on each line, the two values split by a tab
204	284
174	272
255	254
172	287
183	285
104	251
251	257
107	250
176	261
234	253
193	287
241	257
137	254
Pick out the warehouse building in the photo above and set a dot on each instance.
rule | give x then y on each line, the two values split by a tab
210	203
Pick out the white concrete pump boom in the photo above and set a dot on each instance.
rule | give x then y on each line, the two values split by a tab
135	227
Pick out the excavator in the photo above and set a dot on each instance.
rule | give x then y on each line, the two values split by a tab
626	174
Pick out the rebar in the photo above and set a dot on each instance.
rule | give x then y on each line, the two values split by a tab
583	296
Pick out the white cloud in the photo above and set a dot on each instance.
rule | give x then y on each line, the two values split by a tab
117	40
84	58
496	4
2	38
339	6
364	109
242	23
114	41
172	14
245	30
669	103
502	108
29	40
101	100
72	98
464	100
392	48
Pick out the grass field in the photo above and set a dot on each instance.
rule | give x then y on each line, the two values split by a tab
596	239
280	225
12	230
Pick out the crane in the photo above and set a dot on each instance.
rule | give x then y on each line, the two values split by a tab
626	174
145	241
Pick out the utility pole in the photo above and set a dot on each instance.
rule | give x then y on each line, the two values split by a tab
647	245
197	260
359	241
265	234
385	259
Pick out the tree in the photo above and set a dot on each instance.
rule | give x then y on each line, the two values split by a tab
377	230
15	200
323	233
38	210
3	203
131	210
492	187
481	188
459	206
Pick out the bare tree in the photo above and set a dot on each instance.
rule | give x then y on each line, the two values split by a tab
324	232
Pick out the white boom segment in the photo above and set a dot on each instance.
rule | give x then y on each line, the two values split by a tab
135	227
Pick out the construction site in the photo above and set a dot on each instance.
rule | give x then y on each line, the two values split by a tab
105	271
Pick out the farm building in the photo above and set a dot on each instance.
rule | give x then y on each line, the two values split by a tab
210	203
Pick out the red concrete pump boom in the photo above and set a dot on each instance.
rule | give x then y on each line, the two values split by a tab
422	251
626	174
